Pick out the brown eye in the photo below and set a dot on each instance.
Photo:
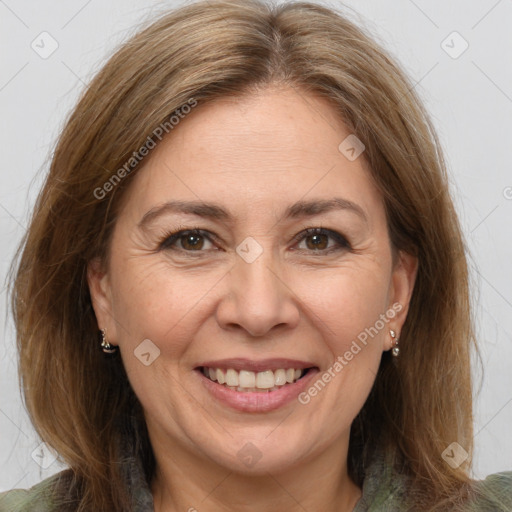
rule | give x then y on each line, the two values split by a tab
315	242
322	241
191	240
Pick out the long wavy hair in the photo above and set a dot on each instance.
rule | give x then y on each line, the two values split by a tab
78	401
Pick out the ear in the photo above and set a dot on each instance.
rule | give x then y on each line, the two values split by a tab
101	297
402	286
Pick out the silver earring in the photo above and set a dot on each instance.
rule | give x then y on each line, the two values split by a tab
105	345
395	350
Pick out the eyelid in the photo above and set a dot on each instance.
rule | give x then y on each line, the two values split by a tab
340	239
174	235
170	238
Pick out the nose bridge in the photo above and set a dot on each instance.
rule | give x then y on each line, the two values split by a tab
259	278
259	298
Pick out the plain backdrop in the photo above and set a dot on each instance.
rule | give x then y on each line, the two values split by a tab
465	80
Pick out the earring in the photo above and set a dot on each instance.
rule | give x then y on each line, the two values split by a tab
105	345
395	350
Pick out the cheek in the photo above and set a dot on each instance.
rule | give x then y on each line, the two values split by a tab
348	313
149	303
152	297
345	302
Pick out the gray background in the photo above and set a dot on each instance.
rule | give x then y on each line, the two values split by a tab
469	98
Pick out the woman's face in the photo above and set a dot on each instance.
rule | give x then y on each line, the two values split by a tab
253	291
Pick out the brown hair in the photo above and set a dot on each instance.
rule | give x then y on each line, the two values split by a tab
78	400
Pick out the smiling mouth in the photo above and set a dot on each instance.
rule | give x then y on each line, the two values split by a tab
248	381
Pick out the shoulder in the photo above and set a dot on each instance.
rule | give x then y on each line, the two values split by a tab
494	493
39	498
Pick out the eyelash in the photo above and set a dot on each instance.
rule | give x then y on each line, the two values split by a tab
342	244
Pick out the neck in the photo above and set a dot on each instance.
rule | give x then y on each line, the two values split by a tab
183	482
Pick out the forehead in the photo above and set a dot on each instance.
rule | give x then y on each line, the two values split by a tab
269	148
276	125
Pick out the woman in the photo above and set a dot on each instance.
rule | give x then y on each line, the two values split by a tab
244	285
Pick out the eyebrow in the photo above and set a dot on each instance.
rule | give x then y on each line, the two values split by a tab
300	209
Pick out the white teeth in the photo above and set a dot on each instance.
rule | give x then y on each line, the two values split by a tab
232	378
245	380
265	380
280	377
220	376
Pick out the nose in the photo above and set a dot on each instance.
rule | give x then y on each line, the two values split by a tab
258	299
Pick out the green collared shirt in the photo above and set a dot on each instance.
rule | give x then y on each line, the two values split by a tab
384	490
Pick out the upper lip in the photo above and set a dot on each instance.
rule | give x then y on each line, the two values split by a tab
257	366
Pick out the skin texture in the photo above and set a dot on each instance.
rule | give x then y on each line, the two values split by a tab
255	156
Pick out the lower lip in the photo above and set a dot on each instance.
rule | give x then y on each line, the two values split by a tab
248	401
